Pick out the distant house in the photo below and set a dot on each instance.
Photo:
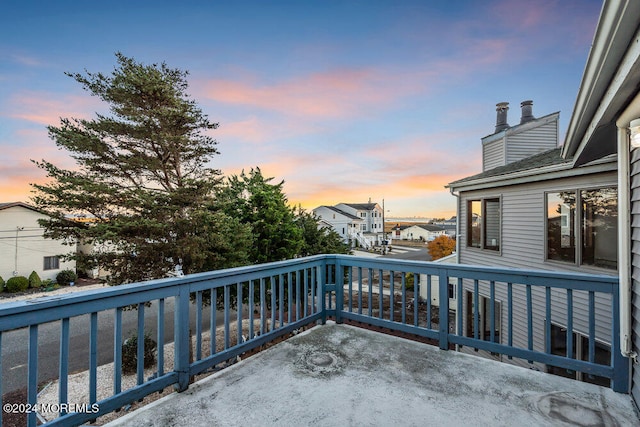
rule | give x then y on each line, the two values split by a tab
24	249
423	232
536	211
450	226
358	223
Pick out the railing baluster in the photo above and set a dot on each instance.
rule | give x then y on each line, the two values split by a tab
263	307
298	287
198	325
213	327
140	345
570	323
281	299
529	321
547	326
492	310
117	351
380	295
428	319
392	275
370	295
404	297
251	306
93	358
459	305
359	290
63	372
239	308
305	273
313	285
289	298
416	293
592	327
274	307
476	307
510	315
227	316
32	380
160	335
350	285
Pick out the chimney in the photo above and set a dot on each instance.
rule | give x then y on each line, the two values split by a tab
527	111
501	120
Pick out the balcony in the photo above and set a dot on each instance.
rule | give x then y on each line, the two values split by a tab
335	373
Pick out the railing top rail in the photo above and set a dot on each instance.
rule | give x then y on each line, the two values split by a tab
135	293
502	274
123	295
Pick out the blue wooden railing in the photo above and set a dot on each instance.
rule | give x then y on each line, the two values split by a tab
272	300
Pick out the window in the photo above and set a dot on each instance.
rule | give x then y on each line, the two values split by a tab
483	224
580	344
582	227
51	263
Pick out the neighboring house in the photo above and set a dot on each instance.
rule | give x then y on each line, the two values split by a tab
423	232
537	212
450	226
358	223
343	223
23	248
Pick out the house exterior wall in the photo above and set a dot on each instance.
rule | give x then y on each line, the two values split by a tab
31	246
416	233
372	218
635	266
523	245
339	223
493	154
532	141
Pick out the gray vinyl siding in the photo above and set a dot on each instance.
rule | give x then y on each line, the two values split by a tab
635	268
493	154
531	142
523	245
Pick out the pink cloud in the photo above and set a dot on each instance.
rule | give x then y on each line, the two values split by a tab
47	108
329	95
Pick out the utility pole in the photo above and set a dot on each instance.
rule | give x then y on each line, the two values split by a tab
15	270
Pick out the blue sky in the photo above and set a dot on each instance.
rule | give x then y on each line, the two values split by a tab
343	100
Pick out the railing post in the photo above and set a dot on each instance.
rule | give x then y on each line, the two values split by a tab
443	294
181	338
619	363
320	294
339	275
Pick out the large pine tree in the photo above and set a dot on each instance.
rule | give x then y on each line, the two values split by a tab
142	176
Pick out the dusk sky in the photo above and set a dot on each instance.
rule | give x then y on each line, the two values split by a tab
343	100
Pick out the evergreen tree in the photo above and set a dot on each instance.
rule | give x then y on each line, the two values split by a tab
255	201
142	177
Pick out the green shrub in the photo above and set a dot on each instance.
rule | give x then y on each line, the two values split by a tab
65	277
17	284
130	353
1	284
34	280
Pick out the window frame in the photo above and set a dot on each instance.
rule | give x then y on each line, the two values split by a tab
46	266
578	225
483	246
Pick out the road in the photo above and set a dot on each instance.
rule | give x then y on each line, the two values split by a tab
14	343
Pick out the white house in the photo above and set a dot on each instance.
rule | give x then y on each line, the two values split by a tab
423	232
23	248
359	223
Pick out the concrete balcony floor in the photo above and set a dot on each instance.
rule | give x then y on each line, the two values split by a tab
343	375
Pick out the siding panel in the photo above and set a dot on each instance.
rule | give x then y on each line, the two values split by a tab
635	269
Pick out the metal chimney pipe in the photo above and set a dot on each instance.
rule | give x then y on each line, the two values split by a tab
501	119
527	111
